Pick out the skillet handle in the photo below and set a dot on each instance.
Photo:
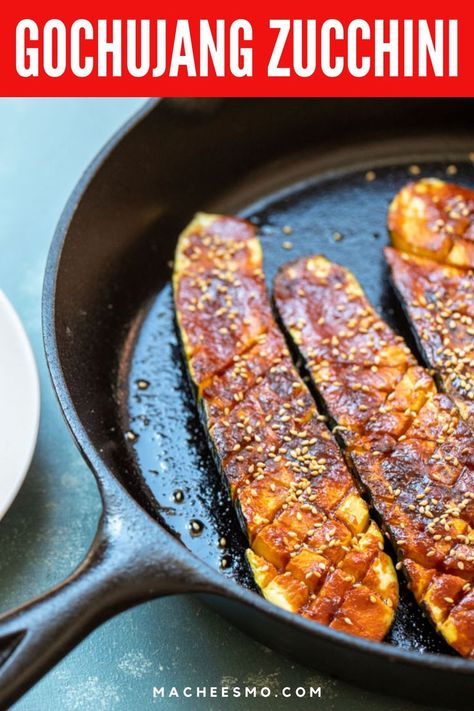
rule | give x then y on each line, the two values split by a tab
127	563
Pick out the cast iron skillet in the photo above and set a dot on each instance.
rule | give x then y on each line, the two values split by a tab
113	356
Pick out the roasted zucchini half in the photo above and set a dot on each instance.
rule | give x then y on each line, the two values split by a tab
313	548
407	443
434	219
439	303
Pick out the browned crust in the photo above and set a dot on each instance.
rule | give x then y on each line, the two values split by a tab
314	549
439	302
434	219
408	444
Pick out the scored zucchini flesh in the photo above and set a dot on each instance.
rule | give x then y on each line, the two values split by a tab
434	219
313	548
439	303
407	443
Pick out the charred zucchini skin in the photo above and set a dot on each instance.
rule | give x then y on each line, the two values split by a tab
313	549
406	442
439	304
433	219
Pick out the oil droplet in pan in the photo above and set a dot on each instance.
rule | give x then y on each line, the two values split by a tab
178	496
196	527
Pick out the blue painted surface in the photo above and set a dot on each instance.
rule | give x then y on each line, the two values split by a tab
45	146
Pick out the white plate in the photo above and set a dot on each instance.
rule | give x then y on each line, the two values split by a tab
19	404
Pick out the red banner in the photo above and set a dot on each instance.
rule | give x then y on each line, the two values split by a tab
211	49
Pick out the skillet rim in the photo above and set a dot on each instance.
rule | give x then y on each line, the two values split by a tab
102	472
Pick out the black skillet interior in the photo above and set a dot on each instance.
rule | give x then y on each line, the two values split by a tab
340	214
283	163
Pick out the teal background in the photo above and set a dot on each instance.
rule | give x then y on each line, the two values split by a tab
45	146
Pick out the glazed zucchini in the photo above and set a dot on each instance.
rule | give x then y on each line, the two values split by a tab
313	548
434	219
406	442
439	304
